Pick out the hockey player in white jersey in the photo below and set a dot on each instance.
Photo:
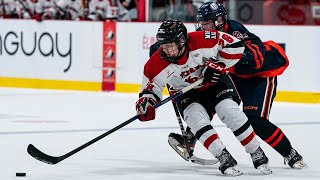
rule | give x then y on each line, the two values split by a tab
101	10
182	59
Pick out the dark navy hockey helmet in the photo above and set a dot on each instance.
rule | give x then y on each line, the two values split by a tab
172	31
211	11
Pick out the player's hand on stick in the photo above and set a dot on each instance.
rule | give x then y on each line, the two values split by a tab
145	108
213	71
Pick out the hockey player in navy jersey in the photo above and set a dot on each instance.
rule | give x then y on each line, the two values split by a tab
255	77
182	59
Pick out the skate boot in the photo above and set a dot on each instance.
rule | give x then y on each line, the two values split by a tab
177	142
228	164
260	161
294	160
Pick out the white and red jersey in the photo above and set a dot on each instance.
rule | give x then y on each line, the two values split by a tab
73	8
27	8
1	8
8	8
202	45
102	10
49	9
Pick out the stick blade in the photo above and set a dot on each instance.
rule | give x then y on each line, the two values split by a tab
201	161
37	154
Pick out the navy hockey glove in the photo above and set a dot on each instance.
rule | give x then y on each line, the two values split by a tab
153	48
145	109
213	71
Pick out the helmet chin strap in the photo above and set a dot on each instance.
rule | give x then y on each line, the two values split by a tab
216	23
217	26
180	50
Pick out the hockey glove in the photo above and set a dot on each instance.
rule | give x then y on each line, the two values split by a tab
145	109
213	71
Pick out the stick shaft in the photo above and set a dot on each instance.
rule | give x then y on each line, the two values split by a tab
37	154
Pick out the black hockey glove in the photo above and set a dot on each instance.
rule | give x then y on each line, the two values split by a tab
153	48
213	71
211	76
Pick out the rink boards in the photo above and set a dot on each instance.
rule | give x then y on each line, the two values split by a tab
97	56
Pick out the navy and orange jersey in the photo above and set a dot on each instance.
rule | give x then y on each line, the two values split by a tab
201	46
260	59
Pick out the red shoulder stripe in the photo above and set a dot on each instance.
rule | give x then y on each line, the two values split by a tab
154	66
197	40
230	56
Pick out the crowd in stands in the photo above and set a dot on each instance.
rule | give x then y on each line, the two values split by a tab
94	10
275	12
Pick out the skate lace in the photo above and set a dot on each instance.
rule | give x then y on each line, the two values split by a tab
223	158
191	138
257	155
290	156
190	135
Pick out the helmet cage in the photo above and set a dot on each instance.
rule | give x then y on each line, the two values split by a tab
172	31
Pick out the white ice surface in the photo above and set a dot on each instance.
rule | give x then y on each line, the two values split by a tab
59	121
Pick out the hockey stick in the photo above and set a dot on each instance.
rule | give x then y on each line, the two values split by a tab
39	155
193	158
184	134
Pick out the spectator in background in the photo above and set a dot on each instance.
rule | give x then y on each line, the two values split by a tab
1	9
27	8
8	9
49	9
127	10
101	10
37	9
182	10
158	7
70	9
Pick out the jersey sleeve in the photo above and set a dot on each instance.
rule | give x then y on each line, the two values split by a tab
254	52
230	50
155	77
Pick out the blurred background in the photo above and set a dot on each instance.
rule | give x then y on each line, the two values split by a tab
67	66
102	45
275	12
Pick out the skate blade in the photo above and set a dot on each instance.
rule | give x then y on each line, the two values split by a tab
181	151
233	171
265	169
299	165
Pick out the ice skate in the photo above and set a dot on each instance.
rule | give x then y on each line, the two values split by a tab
228	164
176	141
260	161
295	160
